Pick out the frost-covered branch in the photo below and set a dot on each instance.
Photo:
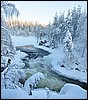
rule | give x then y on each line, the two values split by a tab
9	9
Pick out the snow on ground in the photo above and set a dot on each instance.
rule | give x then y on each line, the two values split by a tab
69	91
55	56
20	40
14	94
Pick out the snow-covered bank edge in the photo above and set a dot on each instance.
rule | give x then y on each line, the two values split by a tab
60	71
70	79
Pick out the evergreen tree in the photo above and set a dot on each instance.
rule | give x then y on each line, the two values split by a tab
75	15
62	27
68	49
49	33
55	22
81	40
68	42
8	10
55	31
68	20
11	74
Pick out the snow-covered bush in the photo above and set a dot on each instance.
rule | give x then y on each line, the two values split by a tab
32	81
11	76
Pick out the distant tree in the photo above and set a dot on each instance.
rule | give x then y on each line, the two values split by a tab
49	32
68	20
41	34
55	22
75	15
37	32
55	31
62	27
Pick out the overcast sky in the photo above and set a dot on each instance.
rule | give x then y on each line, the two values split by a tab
43	11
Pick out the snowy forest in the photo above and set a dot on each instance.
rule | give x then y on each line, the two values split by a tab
43	61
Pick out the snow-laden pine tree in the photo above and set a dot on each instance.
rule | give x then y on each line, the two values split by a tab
62	28
37	32
68	20
49	33
7	11
68	42
75	15
82	31
68	49
55	32
10	74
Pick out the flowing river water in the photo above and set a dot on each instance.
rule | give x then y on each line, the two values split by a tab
38	61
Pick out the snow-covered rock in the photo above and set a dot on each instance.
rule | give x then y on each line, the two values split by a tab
70	91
